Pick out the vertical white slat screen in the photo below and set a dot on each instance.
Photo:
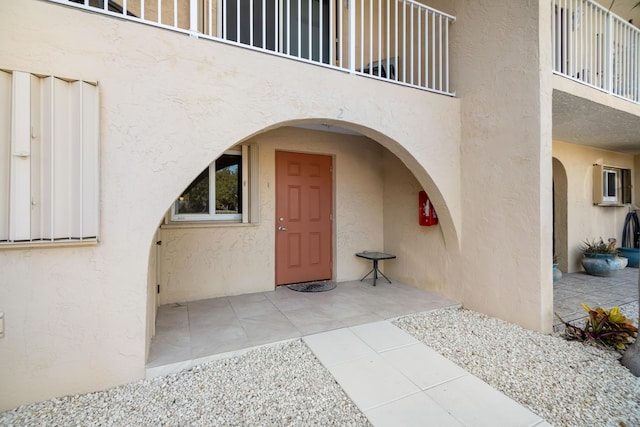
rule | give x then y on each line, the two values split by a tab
75	183
20	164
36	156
90	161
61	161
5	151
46	166
49	168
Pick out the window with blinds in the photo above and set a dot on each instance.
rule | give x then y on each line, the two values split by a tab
49	159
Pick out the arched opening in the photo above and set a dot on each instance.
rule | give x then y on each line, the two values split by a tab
374	198
560	227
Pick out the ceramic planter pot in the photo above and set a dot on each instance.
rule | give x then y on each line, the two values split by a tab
601	264
632	254
557	274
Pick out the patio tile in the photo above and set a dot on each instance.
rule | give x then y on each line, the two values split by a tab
370	381
382	336
172	340
483	405
307	326
565	293
169	350
208	340
337	346
172	316
220	314
424	366
415	410
247	309
267	328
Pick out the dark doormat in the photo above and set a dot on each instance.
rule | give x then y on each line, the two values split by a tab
319	286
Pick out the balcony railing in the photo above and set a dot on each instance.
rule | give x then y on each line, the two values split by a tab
401	41
596	47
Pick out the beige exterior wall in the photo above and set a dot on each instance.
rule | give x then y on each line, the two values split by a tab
506	164
584	219
80	318
414	245
219	256
636	181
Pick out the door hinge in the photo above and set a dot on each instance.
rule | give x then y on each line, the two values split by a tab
158	288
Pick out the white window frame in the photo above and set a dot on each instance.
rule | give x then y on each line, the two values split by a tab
212	215
606	193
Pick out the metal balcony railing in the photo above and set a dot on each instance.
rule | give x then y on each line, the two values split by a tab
401	41
596	47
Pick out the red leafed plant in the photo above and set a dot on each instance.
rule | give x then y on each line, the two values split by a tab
608	328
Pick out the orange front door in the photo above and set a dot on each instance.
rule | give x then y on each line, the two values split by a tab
303	217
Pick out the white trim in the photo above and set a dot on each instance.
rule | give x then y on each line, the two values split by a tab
212	215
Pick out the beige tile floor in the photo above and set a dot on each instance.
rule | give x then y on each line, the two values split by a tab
218	326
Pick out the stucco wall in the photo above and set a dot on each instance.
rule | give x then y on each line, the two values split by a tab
636	182
212	261
506	158
76	318
584	219
422	257
375	209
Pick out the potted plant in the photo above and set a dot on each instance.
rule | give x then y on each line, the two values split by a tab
600	258
557	274
631	239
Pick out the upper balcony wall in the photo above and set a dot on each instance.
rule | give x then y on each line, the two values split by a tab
596	47
402	41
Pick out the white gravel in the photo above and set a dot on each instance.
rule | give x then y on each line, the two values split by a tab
277	385
566	383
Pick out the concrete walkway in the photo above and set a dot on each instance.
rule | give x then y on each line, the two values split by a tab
397	381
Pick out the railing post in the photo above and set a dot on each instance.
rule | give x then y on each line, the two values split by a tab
608	45
352	35
193	18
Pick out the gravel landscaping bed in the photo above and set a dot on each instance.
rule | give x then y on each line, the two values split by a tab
567	383
277	385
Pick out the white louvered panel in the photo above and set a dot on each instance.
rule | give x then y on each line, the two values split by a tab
20	198
74	158
5	151
90	160
46	164
62	178
36	159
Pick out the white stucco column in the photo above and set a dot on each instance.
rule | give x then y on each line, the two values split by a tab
502	75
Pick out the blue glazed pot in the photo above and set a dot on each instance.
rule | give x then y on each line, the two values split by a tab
601	264
632	254
557	274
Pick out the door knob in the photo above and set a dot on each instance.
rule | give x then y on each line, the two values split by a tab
281	228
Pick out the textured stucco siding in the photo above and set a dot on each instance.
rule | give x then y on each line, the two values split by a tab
80	319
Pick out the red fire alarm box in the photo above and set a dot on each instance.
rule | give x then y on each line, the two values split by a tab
427	215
